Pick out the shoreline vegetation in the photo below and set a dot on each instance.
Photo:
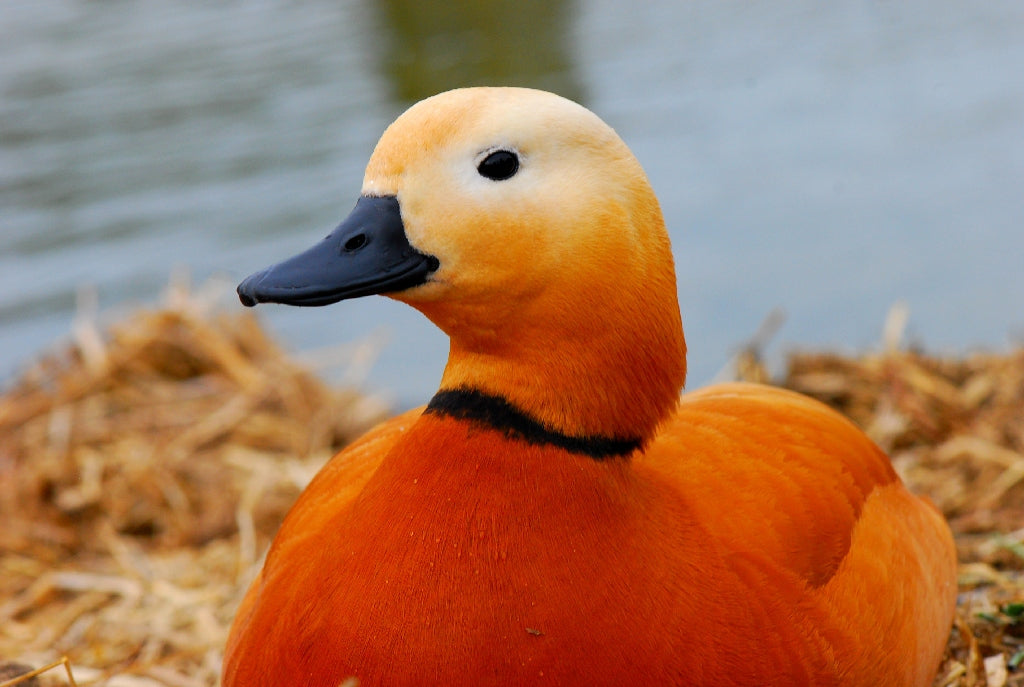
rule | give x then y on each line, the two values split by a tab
145	466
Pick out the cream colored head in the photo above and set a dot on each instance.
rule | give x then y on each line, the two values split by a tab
554	283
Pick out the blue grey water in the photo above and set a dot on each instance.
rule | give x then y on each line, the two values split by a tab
827	158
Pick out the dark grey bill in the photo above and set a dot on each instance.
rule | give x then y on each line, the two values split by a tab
367	254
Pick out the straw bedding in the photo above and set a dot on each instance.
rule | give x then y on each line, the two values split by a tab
145	467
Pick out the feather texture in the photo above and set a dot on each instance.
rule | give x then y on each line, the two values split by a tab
557	515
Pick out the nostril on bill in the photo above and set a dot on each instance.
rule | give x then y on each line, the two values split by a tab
355	243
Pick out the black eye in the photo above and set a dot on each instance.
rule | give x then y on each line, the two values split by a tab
499	165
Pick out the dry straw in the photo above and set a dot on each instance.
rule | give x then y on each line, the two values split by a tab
144	468
142	472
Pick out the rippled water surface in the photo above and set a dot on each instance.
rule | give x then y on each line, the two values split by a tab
828	158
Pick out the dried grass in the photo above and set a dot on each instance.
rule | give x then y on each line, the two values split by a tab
144	469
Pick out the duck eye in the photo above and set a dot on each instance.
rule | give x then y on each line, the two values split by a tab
499	165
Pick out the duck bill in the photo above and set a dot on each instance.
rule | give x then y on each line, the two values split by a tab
367	254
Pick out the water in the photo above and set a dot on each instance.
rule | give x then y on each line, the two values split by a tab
828	158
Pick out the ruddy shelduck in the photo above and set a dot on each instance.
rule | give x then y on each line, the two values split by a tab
557	514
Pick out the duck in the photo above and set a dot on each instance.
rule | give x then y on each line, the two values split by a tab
559	512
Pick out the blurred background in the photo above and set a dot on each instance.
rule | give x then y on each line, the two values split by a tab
826	158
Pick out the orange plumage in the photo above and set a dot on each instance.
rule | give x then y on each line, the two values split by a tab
556	515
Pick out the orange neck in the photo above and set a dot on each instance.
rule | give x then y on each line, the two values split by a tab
578	327
613	371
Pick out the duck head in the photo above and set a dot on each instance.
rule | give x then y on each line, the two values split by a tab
523	227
